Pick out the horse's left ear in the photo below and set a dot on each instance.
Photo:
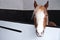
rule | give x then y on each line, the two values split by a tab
46	5
35	4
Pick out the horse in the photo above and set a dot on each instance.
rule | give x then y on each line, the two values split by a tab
40	16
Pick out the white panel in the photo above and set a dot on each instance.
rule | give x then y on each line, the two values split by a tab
28	32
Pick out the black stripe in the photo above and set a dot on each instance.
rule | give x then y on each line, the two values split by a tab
11	29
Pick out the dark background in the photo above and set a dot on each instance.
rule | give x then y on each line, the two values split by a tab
24	16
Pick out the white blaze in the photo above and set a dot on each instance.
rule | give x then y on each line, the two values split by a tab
40	19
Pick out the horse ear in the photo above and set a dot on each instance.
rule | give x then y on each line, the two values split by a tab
35	4
46	5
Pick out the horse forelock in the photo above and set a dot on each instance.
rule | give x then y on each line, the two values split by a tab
42	8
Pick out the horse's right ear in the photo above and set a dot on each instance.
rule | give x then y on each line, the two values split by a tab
35	4
47	4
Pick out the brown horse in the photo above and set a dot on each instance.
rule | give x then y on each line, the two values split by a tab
40	18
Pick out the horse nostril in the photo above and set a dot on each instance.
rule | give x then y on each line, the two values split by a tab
39	35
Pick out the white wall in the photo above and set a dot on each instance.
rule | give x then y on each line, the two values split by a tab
11	4
28	4
28	32
53	4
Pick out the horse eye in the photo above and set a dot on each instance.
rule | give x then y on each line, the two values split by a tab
44	11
